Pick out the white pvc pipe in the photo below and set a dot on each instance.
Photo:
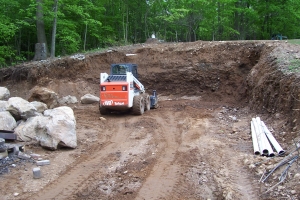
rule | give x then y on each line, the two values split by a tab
262	147
265	139
273	141
254	140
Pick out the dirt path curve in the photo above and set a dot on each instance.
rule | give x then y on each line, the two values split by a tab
168	153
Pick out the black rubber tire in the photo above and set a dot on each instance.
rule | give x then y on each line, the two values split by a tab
138	107
147	101
103	111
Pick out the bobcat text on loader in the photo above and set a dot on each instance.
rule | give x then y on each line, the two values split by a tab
121	90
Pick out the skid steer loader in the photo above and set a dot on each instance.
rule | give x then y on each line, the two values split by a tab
121	90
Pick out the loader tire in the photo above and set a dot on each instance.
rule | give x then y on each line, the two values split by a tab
103	111
138	107
147	102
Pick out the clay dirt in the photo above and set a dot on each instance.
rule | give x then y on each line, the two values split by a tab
196	145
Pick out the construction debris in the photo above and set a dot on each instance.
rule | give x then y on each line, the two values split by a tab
8	135
42	162
36	172
262	139
290	160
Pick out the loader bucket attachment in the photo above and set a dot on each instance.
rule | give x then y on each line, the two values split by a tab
154	100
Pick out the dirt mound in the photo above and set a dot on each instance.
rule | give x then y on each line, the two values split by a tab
196	145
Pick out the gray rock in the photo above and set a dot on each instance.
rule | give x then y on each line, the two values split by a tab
4	93
3	105
89	98
7	121
67	100
39	106
20	108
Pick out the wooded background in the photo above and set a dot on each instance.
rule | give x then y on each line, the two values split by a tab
70	26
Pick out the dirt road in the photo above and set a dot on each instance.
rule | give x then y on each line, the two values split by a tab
185	149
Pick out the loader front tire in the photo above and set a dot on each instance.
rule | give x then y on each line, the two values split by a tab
138	107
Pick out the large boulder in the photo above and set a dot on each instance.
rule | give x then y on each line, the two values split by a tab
28	130
44	95
39	106
7	121
89	98
20	108
3	105
57	127
61	111
4	93
67	100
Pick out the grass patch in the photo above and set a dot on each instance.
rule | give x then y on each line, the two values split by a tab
294	41
294	65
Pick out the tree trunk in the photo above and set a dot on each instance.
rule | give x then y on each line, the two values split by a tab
54	30
85	32
40	51
41	35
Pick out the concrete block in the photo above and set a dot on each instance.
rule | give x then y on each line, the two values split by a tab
15	150
23	156
42	162
35	156
36	172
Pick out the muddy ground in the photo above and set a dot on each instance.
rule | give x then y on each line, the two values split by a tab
196	145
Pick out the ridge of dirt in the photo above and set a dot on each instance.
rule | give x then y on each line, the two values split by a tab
196	145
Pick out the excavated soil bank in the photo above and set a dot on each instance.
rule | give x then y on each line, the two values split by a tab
247	73
208	91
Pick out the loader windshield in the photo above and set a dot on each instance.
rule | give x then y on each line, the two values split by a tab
120	69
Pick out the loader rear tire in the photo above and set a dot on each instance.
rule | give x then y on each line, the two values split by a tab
147	102
138	107
103	111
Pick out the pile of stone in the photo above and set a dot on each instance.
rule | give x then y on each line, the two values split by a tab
33	121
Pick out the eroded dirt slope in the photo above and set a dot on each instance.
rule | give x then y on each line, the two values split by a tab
196	145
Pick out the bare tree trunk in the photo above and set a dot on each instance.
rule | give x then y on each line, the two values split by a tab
126	40
85	32
41	51
54	30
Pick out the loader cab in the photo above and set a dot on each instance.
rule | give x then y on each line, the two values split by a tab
121	69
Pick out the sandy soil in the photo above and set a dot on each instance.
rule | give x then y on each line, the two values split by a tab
196	145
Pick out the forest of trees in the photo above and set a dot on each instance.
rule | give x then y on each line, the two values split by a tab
70	26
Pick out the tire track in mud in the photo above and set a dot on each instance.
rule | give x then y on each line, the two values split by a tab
163	176
240	176
68	183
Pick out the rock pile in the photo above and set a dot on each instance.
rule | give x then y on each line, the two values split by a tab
33	121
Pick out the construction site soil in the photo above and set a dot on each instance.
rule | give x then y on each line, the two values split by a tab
196	145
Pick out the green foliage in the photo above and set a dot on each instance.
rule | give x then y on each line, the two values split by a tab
89	24
6	53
